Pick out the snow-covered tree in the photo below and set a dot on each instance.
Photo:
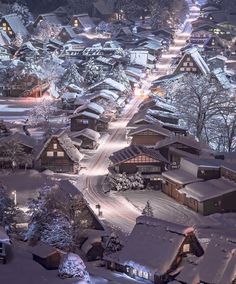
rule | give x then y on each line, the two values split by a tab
7	208
16	154
42	113
22	11
58	232
198	100
71	76
148	211
72	266
46	31
93	73
113	244
123	182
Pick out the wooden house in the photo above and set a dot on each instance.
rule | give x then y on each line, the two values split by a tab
176	147
104	10
13	26
154	250
205	186
59	154
90	107
108	84
67	33
49	18
148	135
199	36
192	62
82	22
137	158
214	46
89	138
82	120
46	255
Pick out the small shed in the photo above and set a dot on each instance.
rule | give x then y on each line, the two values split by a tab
46	255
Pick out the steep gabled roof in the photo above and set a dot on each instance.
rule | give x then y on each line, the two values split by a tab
153	245
50	18
91	106
85	21
87	132
16	24
19	138
133	151
66	144
197	58
158	129
180	140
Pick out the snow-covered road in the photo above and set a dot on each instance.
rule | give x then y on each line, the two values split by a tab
117	210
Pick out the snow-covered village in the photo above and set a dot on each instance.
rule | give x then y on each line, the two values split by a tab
118	141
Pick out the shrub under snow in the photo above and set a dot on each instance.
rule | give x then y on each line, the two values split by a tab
123	182
73	266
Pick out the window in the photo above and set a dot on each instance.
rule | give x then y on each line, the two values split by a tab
140	273
182	69
76	23
186	248
188	69
135	271
145	275
60	154
50	154
194	69
188	59
190	64
185	64
55	146
4	24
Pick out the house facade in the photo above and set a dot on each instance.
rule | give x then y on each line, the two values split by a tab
59	154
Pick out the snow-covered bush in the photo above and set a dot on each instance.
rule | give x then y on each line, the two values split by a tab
22	11
113	244
123	182
73	266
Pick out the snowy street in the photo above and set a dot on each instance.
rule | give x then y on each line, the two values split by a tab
118	210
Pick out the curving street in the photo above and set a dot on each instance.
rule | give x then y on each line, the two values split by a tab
117	209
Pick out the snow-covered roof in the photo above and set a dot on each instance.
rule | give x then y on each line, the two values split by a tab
85	21
16	24
206	190
106	94
3	236
43	250
153	45
133	151
86	114
220	75
51	18
70	31
219	262
87	132
181	176
198	59
153	245
19	138
91	106
187	141
153	128
66	144
114	84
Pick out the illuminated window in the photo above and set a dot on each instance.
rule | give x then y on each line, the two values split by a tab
135	271
76	23
186	248
49	154
60	154
188	59
145	275
4	24
140	273
190	64
182	69
55	146
188	69
185	64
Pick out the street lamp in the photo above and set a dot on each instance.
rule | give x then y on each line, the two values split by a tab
14	195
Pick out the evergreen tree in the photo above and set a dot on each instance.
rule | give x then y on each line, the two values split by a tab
148	211
113	244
